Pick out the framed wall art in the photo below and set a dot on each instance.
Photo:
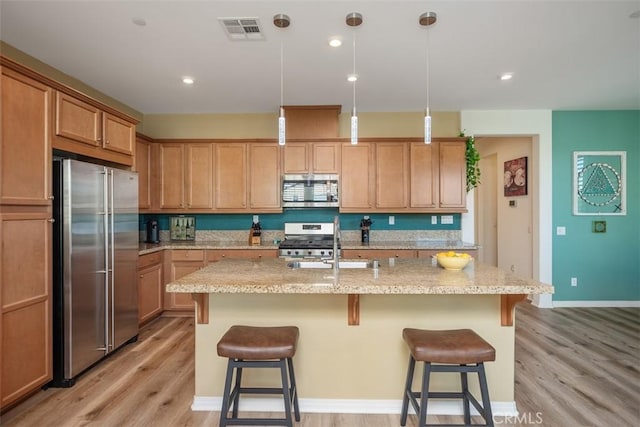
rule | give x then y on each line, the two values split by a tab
599	183
515	177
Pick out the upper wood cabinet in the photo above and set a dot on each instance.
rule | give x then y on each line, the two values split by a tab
453	175
357	182
25	147
264	177
231	176
83	128
423	176
186	176
392	170
144	167
311	157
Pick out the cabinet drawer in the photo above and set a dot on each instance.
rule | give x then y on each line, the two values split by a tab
218	254
187	255
149	259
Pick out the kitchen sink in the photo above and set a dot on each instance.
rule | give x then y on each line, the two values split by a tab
321	264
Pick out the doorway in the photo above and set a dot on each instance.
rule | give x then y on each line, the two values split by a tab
504	225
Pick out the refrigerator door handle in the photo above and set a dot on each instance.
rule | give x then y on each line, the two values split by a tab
111	237
106	259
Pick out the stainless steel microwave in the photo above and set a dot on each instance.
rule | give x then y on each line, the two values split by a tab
310	191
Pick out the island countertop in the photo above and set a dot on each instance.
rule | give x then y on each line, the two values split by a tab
404	276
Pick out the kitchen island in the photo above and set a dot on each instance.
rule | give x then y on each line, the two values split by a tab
351	356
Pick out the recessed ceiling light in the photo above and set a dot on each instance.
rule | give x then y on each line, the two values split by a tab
506	76
139	21
352	78
188	80
635	14
335	42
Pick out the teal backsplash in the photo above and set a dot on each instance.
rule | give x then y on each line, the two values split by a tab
276	221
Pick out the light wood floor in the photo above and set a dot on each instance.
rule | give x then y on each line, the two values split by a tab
574	367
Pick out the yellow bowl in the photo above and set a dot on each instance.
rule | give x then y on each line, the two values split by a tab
455	262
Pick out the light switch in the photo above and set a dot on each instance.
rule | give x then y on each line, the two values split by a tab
561	231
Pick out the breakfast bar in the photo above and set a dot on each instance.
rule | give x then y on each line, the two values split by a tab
351	357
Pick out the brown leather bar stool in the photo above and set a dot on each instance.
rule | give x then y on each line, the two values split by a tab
460	351
259	347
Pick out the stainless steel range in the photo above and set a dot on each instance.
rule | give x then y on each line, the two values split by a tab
308	240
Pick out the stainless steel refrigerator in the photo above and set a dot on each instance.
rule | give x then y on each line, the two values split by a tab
95	252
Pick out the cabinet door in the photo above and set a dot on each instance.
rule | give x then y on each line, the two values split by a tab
264	177
423	175
149	292
25	147
172	163
77	120
391	175
143	167
296	158
199	176
453	174
25	304
326	157
118	134
356	180
231	176
180	269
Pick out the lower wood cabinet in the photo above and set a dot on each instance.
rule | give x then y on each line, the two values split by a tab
180	263
150	282
25	304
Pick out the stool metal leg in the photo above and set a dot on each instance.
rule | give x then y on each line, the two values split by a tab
238	386
285	392
226	394
294	390
424	397
465	397
484	392
407	391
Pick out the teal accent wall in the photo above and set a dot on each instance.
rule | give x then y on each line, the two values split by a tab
276	221
607	265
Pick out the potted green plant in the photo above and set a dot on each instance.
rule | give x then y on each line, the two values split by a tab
473	158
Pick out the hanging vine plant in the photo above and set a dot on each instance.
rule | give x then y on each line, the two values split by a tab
472	157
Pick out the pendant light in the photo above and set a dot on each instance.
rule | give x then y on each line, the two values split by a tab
281	21
426	20
354	19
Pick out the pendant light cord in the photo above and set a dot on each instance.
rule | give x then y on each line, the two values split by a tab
354	71
428	72
281	72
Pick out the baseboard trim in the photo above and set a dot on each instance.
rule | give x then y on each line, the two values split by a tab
585	304
348	406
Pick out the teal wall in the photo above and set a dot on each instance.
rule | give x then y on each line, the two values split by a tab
607	265
276	221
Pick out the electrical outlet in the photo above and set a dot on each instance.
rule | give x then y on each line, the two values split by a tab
446	219
434	219
256	219
392	220
561	231
574	281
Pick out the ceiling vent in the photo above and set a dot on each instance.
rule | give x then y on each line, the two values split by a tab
242	28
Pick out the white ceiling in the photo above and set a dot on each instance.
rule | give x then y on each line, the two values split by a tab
564	54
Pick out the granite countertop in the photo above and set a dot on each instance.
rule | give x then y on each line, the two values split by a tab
146	248
405	276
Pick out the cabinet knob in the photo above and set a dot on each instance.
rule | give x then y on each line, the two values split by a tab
106	141
141	276
50	197
51	220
